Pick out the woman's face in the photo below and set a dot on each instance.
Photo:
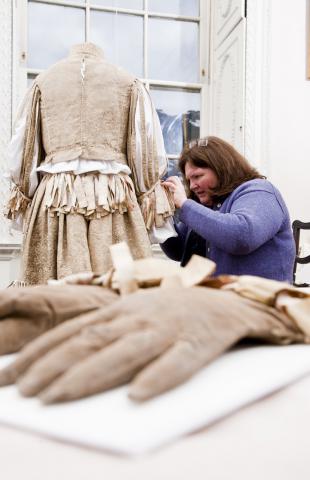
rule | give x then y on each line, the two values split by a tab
201	180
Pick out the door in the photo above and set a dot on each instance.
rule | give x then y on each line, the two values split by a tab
228	74
227	15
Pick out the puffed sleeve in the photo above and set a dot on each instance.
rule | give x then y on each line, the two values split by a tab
25	153
148	163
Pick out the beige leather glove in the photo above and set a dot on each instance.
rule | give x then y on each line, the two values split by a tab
128	274
27	312
154	338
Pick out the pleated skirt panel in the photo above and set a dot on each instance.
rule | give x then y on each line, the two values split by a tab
56	244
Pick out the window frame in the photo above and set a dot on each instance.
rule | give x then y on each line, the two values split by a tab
21	72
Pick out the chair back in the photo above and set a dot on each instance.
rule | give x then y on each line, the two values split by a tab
297	227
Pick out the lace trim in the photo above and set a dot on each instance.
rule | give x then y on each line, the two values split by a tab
17	204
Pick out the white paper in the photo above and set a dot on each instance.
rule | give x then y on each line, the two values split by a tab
110	421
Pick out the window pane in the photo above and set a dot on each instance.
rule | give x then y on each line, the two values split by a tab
173	168
173	50
133	4
177	7
121	37
52	30
30	79
179	115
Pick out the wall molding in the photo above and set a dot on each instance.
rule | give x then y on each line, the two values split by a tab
257	93
6	33
9	251
9	263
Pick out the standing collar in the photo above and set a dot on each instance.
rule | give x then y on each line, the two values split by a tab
86	49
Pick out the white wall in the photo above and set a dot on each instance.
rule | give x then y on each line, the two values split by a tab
289	107
289	113
5	106
9	243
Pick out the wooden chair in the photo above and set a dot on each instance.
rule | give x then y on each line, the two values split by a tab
297	227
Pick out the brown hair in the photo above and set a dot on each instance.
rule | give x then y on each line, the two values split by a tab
230	167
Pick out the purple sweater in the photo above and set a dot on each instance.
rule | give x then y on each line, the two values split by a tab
248	234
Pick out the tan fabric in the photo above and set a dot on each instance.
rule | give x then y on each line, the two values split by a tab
152	272
166	334
58	245
33	128
291	300
83	107
157	201
260	289
157	338
93	195
18	203
145	273
85	103
27	313
20	197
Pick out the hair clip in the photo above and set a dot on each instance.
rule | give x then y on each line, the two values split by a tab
198	142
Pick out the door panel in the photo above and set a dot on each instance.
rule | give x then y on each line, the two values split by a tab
228	88
228	14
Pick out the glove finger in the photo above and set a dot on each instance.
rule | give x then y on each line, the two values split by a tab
108	368
16	332
83	300
7	298
58	360
56	303
28	302
12	300
174	367
17	300
51	339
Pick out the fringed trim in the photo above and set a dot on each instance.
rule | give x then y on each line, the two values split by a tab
156	205
18	284
17	204
93	195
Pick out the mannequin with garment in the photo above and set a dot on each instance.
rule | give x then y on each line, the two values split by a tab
86	159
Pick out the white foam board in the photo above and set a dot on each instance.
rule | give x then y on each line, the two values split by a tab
110	421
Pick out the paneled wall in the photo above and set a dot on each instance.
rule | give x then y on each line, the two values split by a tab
9	241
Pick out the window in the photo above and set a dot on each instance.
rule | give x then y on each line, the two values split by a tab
163	42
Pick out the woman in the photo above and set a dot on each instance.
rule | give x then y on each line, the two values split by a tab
233	215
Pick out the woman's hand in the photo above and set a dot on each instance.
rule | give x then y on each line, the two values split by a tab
175	186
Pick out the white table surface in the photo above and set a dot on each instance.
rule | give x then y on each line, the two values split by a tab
110	422
266	440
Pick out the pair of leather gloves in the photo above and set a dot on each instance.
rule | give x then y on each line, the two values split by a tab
155	338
